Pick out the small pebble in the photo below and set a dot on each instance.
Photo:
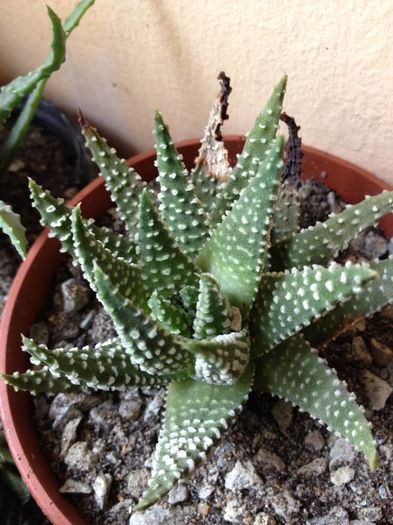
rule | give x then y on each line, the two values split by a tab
337	516
130	408
242	476
178	494
282	412
79	456
72	486
376	389
342	475
75	295
203	509
341	453
314	440
381	354
285	505
262	518
316	467
360	353
101	487
375	245
153	516
68	436
269	459
137	480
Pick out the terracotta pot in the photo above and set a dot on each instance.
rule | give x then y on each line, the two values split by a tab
33	283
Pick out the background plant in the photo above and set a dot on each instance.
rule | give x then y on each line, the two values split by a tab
215	291
13	95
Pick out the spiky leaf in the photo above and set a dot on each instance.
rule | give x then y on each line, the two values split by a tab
220	360
257	145
179	205
55	214
196	416
319	244
287	302
213	311
73	19
12	94
89	251
376	294
152	349
11	225
189	297
286	215
168	269
122	181
237	252
170	316
106	366
296	373
42	380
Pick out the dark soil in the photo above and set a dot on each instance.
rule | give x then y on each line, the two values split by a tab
51	163
275	465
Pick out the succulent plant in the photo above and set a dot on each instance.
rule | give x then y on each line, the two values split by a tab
31	86
215	291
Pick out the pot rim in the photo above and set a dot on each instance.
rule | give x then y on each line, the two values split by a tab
56	506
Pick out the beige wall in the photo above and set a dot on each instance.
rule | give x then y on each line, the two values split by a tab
132	56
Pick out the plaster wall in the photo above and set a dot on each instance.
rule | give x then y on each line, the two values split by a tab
129	57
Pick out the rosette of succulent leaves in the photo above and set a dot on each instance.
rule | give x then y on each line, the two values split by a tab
215	291
28	90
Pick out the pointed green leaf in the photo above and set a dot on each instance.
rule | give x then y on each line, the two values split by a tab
55	214
106	366
285	222
287	302
11	225
179	205
197	414
42	380
213	311
72	20
189	297
319	244
375	295
170	316
12	94
166	266
151	348
257	145
88	251
220	360
122	181
237	252
296	373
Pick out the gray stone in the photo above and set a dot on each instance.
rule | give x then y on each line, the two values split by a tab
342	475
337	516
39	332
68	436
233	512
262	518
359	352
130	405
75	295
375	245
314	440
79	456
137	480
72	486
178	494
285	505
87	320
370	513
282	412
269	459
376	389
206	491
65	407
341	453
101	486
154	406
154	516
242	476
381	354
316	467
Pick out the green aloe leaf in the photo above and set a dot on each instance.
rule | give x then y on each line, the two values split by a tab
286	215
180	207
168	269
296	373
122	181
256	147
11	225
151	348
237	252
375	295
196	416
73	19
169	315
321	243
289	301
55	214
106	366
12	94
213	311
